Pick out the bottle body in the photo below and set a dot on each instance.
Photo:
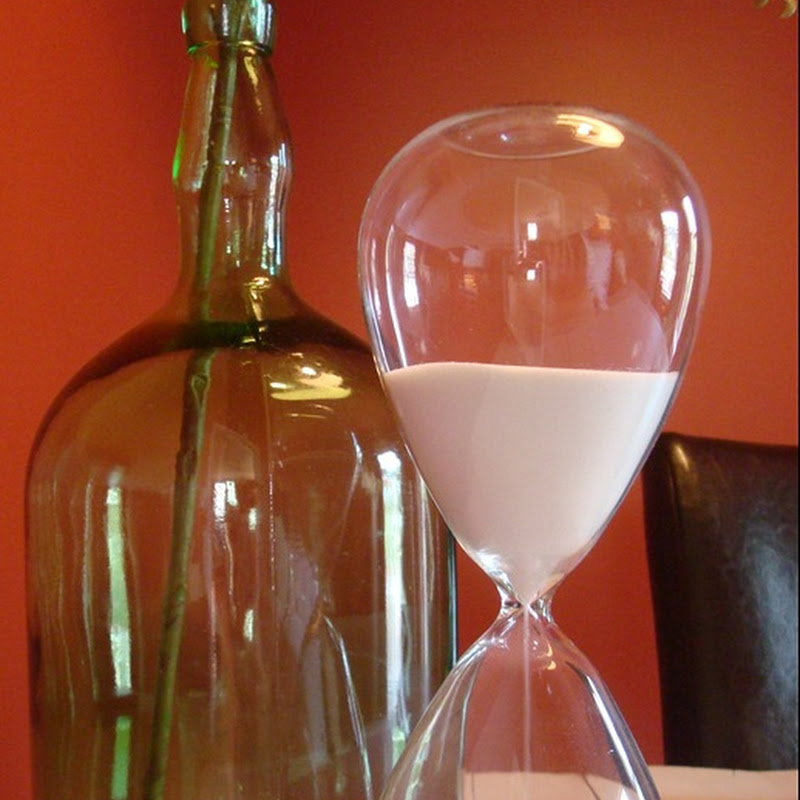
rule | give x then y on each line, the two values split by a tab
317	621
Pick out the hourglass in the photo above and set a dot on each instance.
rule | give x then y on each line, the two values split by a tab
532	279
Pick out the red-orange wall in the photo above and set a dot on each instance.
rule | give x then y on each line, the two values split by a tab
90	95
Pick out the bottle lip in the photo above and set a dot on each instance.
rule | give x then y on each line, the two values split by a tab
233	22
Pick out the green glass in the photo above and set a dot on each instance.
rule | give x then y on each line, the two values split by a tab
238	587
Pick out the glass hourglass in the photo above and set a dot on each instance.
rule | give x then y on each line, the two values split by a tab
532	279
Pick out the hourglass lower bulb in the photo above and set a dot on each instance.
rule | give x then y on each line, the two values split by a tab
532	278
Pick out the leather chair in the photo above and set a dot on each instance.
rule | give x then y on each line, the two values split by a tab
721	529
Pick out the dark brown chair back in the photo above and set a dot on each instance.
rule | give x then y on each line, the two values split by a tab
721	526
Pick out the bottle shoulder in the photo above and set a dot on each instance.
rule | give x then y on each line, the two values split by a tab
304	358
305	334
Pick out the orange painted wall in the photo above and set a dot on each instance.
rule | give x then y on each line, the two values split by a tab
90	95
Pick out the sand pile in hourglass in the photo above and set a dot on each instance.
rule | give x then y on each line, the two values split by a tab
527	462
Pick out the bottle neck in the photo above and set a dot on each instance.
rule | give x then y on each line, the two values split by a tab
231	174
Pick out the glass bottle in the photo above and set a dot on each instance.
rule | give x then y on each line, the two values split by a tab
237	585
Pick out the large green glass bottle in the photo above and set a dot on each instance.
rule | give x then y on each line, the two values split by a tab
237	585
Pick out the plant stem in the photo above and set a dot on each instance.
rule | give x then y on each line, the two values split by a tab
197	380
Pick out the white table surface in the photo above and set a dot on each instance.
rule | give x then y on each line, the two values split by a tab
674	783
694	783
